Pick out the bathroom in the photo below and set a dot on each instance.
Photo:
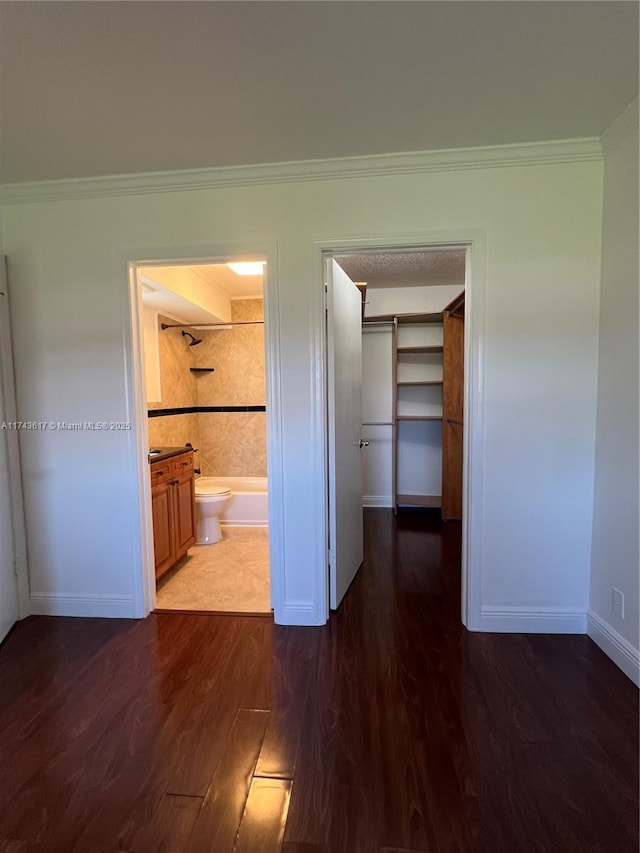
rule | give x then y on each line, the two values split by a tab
204	353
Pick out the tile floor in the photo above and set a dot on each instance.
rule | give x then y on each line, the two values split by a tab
231	576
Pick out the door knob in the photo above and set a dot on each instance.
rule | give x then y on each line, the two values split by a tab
364	443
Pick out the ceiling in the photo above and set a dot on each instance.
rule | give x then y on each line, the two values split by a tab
406	269
229	283
176	291
95	88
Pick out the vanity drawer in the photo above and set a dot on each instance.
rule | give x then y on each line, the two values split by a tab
161	472
182	464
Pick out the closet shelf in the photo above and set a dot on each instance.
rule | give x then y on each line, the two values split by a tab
419	318
418	417
420	349
420	382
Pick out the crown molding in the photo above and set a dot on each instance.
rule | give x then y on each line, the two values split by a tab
377	165
620	128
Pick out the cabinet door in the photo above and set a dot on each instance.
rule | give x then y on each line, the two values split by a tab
162	498
185	513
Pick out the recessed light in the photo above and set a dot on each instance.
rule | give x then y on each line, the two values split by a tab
247	267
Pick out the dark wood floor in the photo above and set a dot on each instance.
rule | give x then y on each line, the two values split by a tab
390	729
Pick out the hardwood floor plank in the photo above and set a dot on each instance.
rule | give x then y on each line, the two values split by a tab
313	792
399	850
217	825
265	814
170	826
174	761
293	654
353	823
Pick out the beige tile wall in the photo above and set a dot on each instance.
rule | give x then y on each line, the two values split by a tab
175	431
237	354
232	444
178	385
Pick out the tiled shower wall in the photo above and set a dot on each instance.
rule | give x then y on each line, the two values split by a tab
232	444
179	390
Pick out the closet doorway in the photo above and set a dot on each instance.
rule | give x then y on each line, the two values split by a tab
412	337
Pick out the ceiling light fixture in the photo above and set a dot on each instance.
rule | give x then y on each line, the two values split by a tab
247	267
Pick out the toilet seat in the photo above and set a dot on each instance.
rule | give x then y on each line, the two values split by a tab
204	489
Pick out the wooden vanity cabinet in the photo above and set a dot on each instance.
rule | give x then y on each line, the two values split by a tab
173	506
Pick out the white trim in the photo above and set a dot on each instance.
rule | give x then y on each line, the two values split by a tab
532	620
408	162
474	240
275	451
377	500
473	430
299	613
142	557
14	466
143	582
620	128
71	604
615	646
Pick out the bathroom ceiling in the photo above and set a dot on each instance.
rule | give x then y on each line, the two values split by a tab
406	269
196	294
229	283
99	88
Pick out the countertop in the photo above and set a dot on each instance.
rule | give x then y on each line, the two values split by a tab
167	453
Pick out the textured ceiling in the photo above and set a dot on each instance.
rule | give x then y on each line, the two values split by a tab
95	88
406	269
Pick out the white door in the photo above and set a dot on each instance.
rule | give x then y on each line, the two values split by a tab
344	344
8	578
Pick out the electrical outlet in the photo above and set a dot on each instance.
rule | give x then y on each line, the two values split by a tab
617	603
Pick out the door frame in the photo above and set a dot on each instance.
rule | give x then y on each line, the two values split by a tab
144	582
474	242
14	468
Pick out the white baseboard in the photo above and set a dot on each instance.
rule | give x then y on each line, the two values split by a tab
614	645
531	620
377	500
69	604
297	613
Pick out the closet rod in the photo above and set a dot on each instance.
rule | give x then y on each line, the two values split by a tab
164	326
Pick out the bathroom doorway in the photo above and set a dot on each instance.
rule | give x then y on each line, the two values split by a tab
202	331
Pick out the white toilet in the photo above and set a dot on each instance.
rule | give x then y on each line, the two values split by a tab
212	498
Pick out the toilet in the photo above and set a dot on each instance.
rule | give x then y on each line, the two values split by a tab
212	498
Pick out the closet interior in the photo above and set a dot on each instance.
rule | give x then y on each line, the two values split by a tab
413	379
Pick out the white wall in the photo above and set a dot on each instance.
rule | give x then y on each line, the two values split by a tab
615	518
377	408
542	227
414	299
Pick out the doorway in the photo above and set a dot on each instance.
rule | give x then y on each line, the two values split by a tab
411	428
202	333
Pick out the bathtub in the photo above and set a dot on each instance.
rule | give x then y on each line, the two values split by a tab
248	507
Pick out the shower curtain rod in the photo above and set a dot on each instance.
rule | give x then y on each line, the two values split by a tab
164	326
